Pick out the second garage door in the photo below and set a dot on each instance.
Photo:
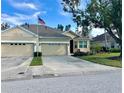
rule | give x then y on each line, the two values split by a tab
16	49
54	49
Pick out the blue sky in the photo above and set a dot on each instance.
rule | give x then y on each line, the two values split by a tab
20	11
16	12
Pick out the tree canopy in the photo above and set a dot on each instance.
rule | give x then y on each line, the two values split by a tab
60	27
67	27
105	14
5	26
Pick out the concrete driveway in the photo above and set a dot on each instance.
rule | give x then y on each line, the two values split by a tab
11	67
10	62
70	65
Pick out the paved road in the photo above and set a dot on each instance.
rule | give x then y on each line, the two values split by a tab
107	82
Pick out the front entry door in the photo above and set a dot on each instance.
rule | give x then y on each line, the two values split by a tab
71	46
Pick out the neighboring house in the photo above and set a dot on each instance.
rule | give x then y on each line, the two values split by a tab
26	39
105	40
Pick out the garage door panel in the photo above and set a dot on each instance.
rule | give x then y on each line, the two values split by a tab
51	49
16	50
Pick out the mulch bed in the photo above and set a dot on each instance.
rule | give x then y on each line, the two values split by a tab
115	58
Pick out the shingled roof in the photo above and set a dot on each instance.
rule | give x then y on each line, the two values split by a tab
44	31
102	37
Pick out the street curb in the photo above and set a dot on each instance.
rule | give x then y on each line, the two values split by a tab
28	63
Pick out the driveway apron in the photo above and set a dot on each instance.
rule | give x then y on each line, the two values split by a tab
69	64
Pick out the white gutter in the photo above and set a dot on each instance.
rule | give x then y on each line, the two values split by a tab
56	37
3	41
55	42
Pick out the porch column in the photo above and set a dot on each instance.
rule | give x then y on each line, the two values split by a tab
39	47
68	49
35	47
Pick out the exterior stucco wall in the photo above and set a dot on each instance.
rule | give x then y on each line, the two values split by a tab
17	34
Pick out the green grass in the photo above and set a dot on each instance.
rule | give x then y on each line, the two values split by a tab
36	61
103	59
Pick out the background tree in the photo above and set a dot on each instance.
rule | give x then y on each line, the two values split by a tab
60	27
67	27
5	26
105	14
71	6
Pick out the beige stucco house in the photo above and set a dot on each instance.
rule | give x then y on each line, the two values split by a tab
24	40
78	43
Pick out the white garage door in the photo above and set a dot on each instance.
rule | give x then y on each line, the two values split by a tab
16	49
54	49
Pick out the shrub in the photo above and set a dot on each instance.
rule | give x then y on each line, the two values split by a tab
80	53
104	49
39	54
115	50
95	48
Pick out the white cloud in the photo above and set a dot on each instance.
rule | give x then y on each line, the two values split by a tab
97	31
38	13
18	18
13	20
23	5
26	5
64	13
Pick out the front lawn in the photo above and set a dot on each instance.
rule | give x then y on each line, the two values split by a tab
104	58
36	61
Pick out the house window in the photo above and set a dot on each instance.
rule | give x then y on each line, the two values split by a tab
15	43
19	43
11	44
75	44
82	44
23	43
85	44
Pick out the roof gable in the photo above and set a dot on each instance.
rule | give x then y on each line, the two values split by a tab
17	28
70	34
102	37
17	34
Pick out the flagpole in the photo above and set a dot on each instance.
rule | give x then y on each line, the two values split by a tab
37	38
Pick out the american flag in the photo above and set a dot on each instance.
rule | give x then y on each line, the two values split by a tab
41	21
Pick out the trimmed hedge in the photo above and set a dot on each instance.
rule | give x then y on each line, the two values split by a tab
115	50
80	54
